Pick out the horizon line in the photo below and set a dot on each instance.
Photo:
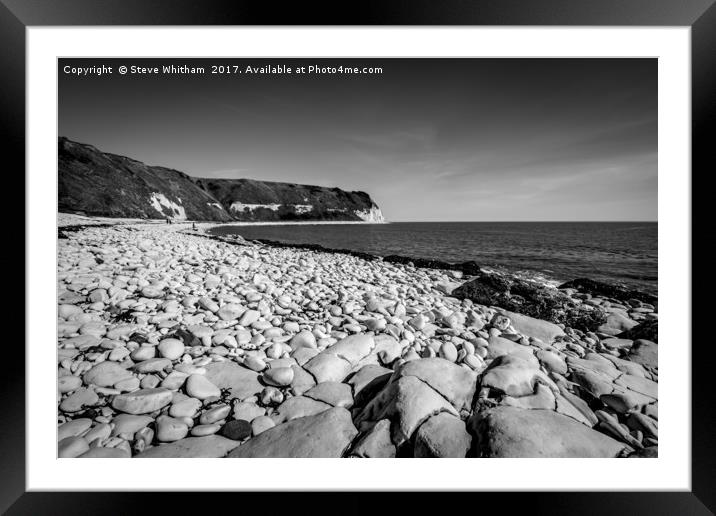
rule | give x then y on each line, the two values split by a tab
529	221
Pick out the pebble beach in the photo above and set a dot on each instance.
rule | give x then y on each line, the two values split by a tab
176	343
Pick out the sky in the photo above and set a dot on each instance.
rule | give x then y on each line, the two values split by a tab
428	139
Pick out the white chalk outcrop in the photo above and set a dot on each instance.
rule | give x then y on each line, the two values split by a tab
160	203
372	215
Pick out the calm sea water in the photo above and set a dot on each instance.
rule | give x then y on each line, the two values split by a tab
623	252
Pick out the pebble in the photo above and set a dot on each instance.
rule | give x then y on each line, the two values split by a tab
170	429
171	349
261	424
142	401
448	351
68	383
247	411
185	408
78	400
73	428
215	414
72	447
197	386
254	363
279	377
304	339
271	396
236	430
204	430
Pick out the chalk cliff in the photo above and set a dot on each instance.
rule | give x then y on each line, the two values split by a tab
97	183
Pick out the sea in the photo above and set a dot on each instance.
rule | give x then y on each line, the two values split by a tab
554	252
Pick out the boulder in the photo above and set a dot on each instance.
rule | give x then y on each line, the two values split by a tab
352	348
500	346
515	376
333	393
375	443
297	406
326	367
442	436
302	380
327	435
455	383
543	398
602	289
543	330
514	432
407	402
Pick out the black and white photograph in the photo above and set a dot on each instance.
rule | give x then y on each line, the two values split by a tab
357	258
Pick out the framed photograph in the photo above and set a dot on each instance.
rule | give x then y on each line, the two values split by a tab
259	244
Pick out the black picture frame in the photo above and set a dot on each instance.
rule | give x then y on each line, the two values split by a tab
700	15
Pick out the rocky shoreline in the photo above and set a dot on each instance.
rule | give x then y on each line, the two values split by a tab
176	343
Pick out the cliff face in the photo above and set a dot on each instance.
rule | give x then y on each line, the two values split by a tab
102	184
247	199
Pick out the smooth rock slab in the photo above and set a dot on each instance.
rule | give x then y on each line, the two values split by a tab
499	346
552	361
241	381
442	436
142	401
513	376
407	402
297	406
543	398
638	384
328	368
368	376
513	432
597	384
333	393
376	442
211	446
455	383
302	380
106	374
352	348
543	330
327	434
